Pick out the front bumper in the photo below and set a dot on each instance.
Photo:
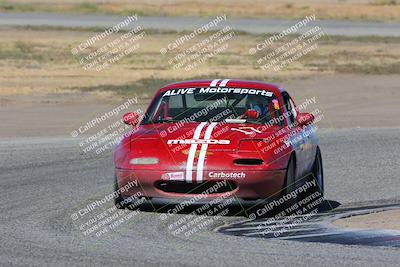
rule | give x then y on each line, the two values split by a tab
258	184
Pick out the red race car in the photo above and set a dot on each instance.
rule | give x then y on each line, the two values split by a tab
207	138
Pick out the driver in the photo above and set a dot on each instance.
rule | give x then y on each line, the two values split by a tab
258	104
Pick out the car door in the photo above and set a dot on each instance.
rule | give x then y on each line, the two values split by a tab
297	139
308	146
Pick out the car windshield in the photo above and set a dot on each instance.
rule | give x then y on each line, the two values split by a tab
242	105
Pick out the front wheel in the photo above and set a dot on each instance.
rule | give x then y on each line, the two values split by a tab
290	187
318	173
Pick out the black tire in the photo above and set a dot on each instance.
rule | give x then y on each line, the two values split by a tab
290	184
118	200
318	172
316	175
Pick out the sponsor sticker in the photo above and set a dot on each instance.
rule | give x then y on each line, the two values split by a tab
213	90
198	141
227	175
173	176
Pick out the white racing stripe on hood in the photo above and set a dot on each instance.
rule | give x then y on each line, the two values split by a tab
203	152
214	82
192	152
224	82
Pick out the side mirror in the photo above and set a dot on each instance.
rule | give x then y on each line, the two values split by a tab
131	118
305	119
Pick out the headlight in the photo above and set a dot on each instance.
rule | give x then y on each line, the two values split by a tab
143	161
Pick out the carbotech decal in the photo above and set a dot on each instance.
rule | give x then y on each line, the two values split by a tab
225	175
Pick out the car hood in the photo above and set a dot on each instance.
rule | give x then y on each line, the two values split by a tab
174	137
191	147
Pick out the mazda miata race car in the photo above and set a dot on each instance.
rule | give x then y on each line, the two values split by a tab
209	138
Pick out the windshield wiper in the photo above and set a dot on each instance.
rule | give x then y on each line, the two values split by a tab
162	121
254	121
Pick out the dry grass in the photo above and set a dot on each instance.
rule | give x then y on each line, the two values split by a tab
39	60
380	10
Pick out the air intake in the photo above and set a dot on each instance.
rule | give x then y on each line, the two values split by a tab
248	161
195	188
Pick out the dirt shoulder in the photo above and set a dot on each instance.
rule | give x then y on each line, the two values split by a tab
44	90
381	220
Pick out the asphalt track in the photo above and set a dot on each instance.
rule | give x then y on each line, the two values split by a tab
44	181
330	27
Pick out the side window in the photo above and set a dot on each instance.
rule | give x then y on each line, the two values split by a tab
293	108
289	108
